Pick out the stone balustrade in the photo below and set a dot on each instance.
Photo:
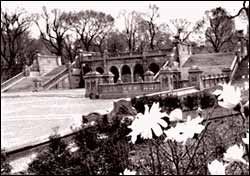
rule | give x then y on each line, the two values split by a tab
212	80
9	82
127	89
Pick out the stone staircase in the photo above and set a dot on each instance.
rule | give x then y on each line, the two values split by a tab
26	84
242	73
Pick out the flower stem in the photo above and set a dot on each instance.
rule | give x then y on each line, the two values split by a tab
152	156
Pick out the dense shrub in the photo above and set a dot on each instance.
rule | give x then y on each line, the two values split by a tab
5	167
207	100
53	161
95	156
170	102
191	102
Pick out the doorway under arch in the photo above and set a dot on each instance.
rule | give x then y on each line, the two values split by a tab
154	68
138	73
126	74
115	71
100	70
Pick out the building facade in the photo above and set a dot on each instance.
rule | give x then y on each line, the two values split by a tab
148	72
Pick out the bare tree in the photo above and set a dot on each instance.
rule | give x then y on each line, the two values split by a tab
221	29
116	42
131	21
89	24
100	39
56	26
14	37
184	28
71	47
162	38
151	24
243	10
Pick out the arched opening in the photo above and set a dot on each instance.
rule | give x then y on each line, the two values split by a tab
138	73
115	71
85	69
154	68
126	74
100	70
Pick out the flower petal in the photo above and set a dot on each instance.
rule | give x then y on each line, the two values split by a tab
175	115
157	130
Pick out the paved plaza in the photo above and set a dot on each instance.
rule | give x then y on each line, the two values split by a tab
31	117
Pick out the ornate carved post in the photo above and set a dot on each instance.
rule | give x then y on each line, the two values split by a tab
68	65
132	73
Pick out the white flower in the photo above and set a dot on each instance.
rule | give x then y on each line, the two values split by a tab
217	168
182	131
234	153
246	104
246	139
128	172
175	115
246	85
72	147
151	120
229	97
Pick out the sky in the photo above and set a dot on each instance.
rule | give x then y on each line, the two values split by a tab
191	10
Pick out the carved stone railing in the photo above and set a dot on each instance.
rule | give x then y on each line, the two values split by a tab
178	92
6	84
130	55
53	80
158	73
127	89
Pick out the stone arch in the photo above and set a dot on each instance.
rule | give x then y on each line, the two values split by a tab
126	74
115	71
154	67
100	70
138	73
86	68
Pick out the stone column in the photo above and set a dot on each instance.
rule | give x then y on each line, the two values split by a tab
169	82
37	85
120	74
132	74
26	70
68	65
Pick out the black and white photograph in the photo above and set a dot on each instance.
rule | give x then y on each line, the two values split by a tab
125	88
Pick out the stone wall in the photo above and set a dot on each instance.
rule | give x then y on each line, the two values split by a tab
120	90
209	81
47	63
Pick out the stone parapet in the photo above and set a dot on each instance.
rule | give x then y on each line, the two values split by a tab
127	89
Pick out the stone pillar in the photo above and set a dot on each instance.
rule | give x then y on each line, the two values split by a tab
195	77
37	84
120	75
170	84
26	70
93	79
227	73
240	36
68	65
59	60
132	74
105	61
